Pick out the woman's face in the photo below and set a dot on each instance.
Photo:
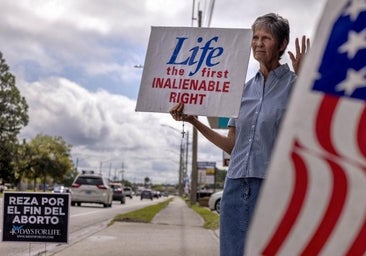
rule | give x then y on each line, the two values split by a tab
265	46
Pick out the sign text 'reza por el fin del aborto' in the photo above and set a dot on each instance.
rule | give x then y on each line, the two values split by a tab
36	217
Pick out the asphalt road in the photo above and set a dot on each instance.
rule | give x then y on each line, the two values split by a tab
84	221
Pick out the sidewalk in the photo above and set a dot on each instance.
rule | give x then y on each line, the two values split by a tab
175	231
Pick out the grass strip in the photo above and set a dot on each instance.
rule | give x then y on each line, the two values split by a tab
143	215
210	218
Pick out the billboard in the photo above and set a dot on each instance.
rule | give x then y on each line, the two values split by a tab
206	172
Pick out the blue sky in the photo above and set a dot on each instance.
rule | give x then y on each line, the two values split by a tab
74	63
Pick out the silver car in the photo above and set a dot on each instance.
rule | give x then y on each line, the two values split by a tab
128	192
214	201
91	188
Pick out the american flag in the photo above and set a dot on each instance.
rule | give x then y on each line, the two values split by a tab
314	199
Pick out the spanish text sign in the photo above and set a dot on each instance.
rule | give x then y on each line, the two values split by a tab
205	68
36	217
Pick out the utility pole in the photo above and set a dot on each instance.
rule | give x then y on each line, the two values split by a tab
182	169
194	174
110	169
185	166
194	145
181	163
122	172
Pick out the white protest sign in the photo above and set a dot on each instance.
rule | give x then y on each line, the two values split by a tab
204	68
313	201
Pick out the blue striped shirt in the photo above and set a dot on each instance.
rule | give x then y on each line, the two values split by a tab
256	127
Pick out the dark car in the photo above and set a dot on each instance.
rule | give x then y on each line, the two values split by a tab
147	194
156	194
118	193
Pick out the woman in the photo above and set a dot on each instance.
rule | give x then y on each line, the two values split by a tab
251	136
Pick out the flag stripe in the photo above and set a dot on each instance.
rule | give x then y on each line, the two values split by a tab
298	196
359	245
361	133
323	123
333	212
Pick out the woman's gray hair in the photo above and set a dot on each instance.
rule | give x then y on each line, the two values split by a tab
275	24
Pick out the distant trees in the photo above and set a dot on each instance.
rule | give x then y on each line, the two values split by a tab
13	117
45	157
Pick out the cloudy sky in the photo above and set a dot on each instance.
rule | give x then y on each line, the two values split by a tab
74	63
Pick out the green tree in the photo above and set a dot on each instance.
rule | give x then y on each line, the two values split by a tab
69	178
13	117
127	183
47	158
8	152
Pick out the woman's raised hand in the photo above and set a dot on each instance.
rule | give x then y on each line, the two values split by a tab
297	58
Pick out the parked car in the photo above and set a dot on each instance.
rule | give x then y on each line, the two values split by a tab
128	191
147	194
118	193
214	201
89	187
60	189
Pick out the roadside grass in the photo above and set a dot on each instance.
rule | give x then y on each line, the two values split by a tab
210	218
144	215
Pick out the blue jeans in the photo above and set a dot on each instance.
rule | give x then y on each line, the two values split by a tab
237	206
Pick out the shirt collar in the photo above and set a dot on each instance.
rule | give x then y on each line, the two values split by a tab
278	72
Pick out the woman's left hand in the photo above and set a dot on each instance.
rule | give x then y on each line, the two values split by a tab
300	53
